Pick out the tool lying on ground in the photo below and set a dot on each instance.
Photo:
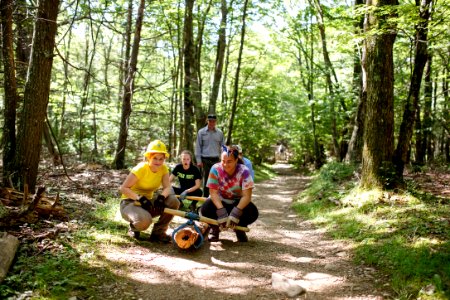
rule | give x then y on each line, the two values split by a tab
189	235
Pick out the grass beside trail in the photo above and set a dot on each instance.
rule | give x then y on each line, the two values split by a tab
405	234
73	264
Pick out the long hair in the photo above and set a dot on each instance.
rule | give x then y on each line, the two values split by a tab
188	153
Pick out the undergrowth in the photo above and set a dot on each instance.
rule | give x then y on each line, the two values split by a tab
405	235
72	265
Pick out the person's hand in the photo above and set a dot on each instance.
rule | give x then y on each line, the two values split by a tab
222	217
183	195
159	202
234	217
145	203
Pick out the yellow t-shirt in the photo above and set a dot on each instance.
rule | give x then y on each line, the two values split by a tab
148	181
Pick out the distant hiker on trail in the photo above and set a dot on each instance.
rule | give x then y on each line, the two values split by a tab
281	152
189	178
207	148
140	201
231	186
246	161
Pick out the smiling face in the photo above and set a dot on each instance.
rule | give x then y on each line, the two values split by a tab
156	161
229	162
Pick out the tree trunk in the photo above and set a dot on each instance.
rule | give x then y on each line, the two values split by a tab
10	88
220	56
329	71
236	78
427	147
378	83
196	79
24	35
36	95
446	115
412	102
119	160
355	145
189	80
48	139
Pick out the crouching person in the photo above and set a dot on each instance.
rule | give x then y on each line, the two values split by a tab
230	202
140	201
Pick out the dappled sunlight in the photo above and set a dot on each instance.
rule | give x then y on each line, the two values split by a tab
142	265
279	242
301	259
316	281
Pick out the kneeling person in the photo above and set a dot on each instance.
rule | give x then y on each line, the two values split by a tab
230	202
140	201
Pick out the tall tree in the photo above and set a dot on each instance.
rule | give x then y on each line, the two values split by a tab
354	152
36	95
127	96
378	83
412	101
330	74
10	87
190	82
237	74
220	56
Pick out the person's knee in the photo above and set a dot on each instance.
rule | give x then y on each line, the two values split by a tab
142	225
172	202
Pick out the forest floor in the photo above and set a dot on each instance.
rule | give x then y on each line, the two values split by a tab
279	242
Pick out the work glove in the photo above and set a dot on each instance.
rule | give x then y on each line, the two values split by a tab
222	217
183	195
159	202
145	203
234	217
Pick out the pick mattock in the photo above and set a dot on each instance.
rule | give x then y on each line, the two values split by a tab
184	237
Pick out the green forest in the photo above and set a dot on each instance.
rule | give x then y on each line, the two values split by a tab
357	92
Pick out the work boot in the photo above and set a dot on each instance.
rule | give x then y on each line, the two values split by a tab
162	238
132	232
193	207
214	234
241	236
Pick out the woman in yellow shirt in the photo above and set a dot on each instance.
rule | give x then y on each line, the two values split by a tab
140	200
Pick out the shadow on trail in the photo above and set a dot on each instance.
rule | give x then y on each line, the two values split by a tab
279	242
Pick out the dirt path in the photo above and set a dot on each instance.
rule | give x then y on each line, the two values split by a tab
278	242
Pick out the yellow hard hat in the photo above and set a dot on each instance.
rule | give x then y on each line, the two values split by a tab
156	146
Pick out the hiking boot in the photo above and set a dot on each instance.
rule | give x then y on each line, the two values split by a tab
193	207
241	236
134	234
214	234
162	238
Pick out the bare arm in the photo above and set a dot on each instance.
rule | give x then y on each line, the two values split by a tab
125	188
245	199
215	198
171	178
166	185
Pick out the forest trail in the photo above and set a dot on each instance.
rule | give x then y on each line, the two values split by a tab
279	242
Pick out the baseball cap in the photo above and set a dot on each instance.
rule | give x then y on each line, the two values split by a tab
212	117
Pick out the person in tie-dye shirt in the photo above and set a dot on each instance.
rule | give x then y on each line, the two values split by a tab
230	184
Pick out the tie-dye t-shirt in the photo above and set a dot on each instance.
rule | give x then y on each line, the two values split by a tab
230	187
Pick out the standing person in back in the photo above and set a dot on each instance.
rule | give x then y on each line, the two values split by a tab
246	161
141	202
189	177
208	148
